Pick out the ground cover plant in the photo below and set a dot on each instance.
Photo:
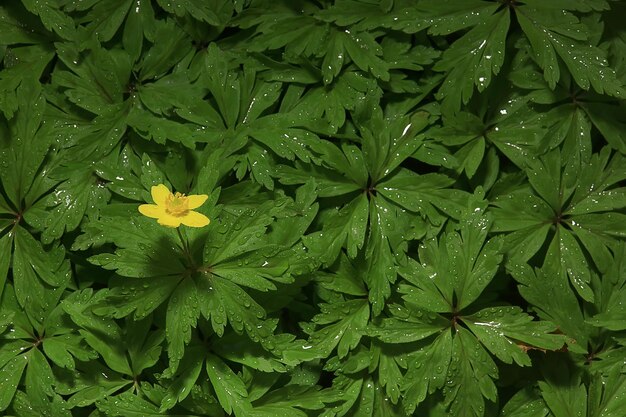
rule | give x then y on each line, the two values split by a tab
289	208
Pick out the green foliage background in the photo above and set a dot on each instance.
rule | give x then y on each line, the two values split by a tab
418	208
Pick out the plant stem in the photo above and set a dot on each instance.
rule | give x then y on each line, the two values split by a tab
186	249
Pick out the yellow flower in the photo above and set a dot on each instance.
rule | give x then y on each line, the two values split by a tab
172	210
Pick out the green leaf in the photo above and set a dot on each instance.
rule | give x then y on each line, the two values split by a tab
39	276
39	379
169	47
433	360
501	330
6	244
244	234
525	403
548	290
424	194
222	302
610	295
473	59
441	18
10	376
454	271
347	228
408	325
555	33
345	324
78	196
182	314
29	144
145	249
184	380
612	389
52	17
127	404
471	371
230	389
96	78
381	269
105	19
103	335
198	9
564	393
62	350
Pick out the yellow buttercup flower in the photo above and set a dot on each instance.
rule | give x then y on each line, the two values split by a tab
172	210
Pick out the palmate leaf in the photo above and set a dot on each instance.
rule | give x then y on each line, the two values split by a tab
146	250
610	295
39	276
80	195
23	352
496	328
300	35
95	79
606	394
21	162
525	403
341	143
563	391
238	110
453	272
480	52
506	127
228	386
427	194
31	61
362	49
52	17
372	178
553	33
472	372
185	377
105	19
332	102
432	361
451	277
213	12
167	50
25	406
582	199
348	228
343	326
362	396
548	291
103	335
293	400
440	18
127	404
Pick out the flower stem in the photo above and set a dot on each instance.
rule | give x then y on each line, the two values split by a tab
186	249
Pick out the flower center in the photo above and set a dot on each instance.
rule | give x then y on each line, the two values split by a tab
177	205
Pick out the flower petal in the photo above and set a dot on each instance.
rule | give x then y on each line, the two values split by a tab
159	194
196	200
169	220
195	219
151	210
